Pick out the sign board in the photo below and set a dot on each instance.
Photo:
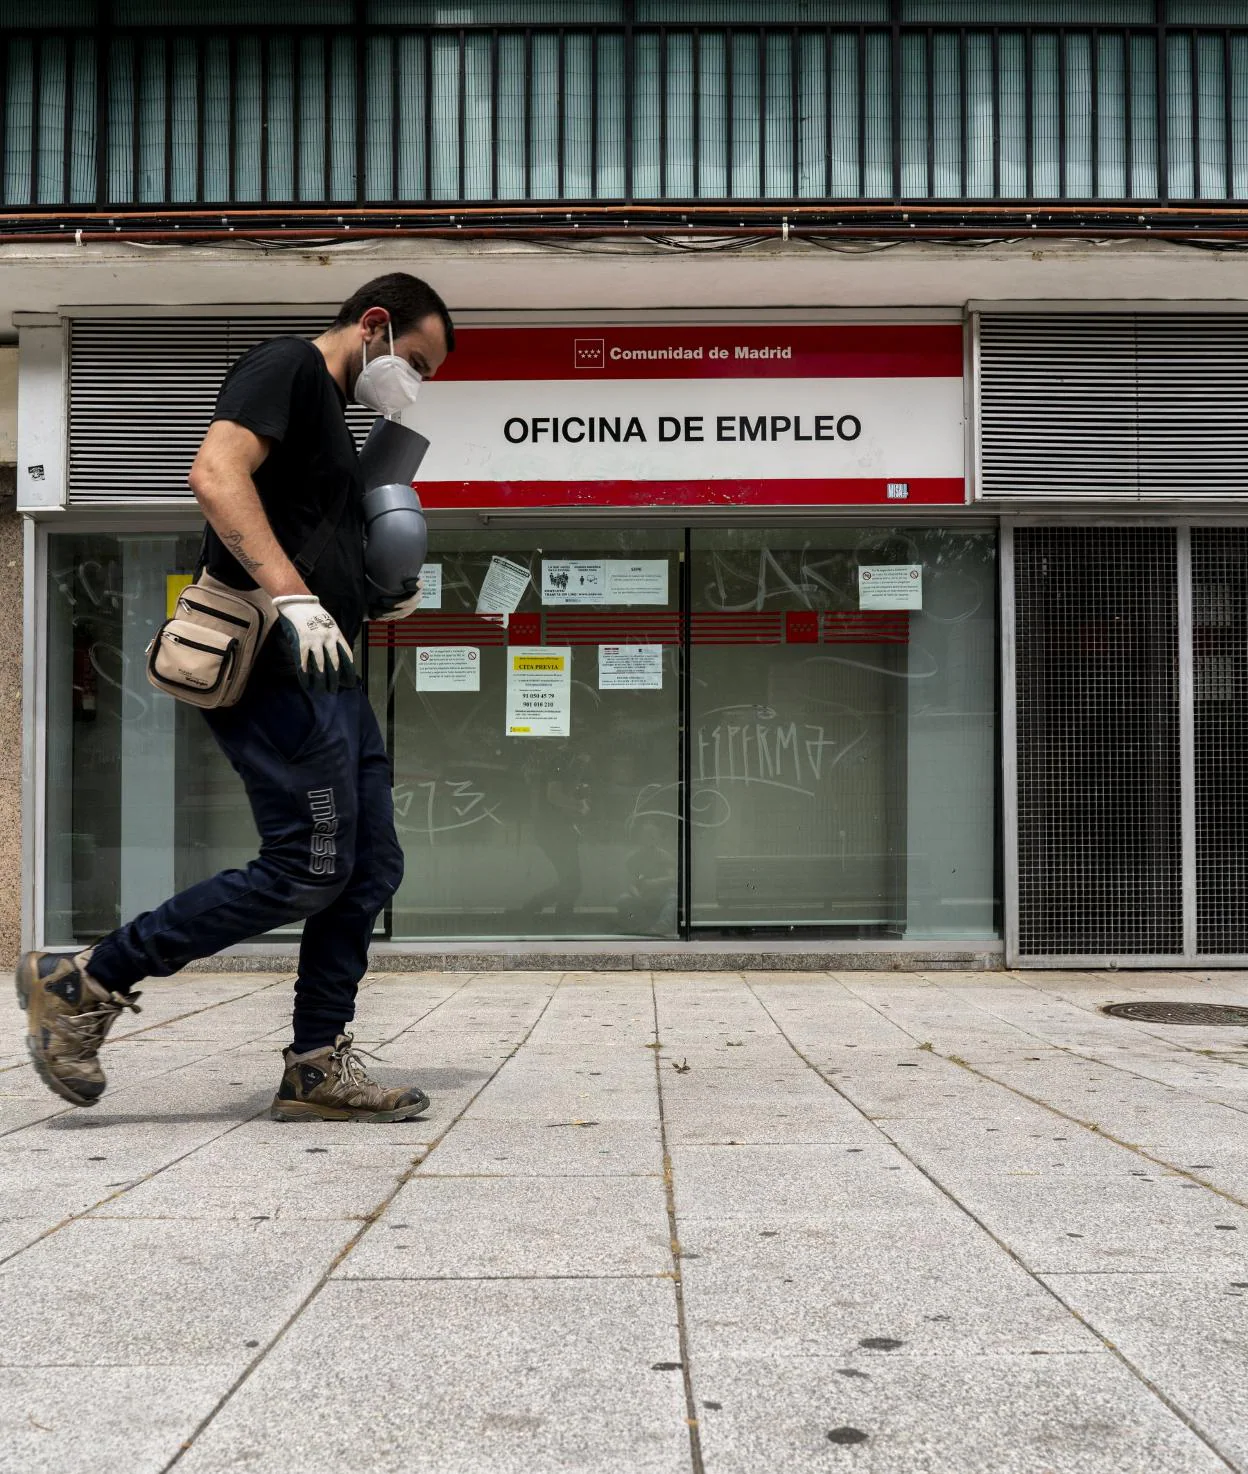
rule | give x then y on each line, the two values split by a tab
503	587
604	581
431	586
640	582
630	667
692	416
890	586
539	691
448	668
572	582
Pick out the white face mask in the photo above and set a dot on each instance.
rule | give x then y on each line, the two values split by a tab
387	384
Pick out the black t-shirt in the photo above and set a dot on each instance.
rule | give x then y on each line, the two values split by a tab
284	391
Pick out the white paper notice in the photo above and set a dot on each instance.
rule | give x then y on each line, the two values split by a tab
604	581
431	586
504	586
644	582
574	583
448	668
539	691
890	586
630	667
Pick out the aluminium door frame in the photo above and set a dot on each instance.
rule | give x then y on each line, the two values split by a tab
34	785
1189	956
1009	743
34	726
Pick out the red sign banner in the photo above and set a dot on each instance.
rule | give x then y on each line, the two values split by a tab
791	415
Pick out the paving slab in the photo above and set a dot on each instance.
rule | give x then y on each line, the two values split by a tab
256	1180
465	1377
463	1227
59	1194
1014	1147
753	1118
577	1146
98	1147
134	1419
326	1135
17	1234
1089	1223
19	1112
768	1185
820	1288
1187	1333
526	1095
1082	1414
158	1292
1221	1166
474	1053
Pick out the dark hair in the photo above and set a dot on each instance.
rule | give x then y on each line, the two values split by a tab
406	298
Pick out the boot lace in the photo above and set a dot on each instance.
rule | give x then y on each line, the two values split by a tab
353	1083
84	1032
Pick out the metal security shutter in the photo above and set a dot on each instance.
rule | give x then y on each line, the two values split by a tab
141	394
1127	681
1112	405
1098	817
1220	692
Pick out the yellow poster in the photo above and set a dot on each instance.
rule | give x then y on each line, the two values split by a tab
174	584
539	691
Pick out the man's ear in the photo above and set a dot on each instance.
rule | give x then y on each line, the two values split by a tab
373	319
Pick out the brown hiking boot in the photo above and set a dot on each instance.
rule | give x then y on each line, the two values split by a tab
68	1016
333	1085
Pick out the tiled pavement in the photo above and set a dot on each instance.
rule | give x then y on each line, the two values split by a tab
708	1222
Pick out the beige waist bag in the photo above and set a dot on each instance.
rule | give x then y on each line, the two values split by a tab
205	653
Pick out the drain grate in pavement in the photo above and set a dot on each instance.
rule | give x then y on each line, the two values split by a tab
1180	1013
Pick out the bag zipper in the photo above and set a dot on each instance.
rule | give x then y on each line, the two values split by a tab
195	645
227	662
216	613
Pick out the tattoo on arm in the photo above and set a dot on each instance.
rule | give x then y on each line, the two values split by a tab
234	541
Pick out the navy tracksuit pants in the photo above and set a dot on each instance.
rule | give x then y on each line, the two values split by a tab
319	781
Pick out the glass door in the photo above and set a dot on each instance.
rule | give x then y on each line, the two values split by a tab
842	735
533	713
139	801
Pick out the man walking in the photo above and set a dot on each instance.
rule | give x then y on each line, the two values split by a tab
276	475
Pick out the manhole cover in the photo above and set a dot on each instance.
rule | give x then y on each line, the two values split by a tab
1180	1013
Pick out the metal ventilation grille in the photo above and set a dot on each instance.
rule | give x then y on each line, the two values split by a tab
1113	405
141	395
1096	660
1220	678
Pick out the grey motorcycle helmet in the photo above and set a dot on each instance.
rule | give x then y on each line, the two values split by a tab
396	538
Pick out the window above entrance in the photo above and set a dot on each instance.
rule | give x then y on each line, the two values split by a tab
276	108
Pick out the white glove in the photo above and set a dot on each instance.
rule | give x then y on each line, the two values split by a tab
322	655
401	611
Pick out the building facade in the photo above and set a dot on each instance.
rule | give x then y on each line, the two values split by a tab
837	507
